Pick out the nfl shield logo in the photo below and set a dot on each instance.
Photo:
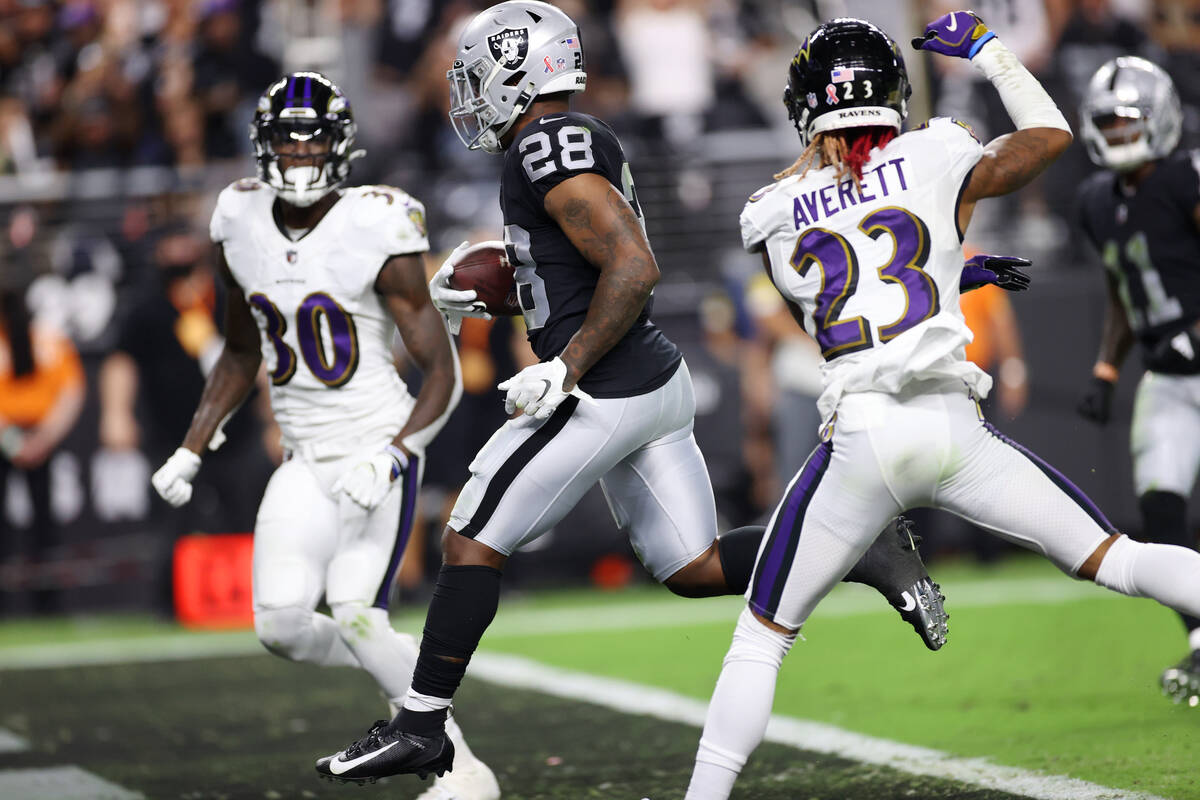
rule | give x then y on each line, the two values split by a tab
509	46
291	256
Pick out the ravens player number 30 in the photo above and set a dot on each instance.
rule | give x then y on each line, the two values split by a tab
320	277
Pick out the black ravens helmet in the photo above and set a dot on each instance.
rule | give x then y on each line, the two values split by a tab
297	108
846	74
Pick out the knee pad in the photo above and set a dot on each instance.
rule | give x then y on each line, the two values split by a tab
286	631
358	620
755	642
1165	518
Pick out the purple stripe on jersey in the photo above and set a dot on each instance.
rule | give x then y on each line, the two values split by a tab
408	507
291	90
786	531
1060	480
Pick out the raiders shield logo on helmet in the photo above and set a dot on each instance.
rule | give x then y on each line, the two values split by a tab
509	46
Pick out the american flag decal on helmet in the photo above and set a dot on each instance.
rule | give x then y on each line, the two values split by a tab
841	75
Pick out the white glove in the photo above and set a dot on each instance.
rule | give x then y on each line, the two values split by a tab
538	390
456	303
173	481
368	482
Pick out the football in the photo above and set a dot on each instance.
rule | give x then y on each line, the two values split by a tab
485	268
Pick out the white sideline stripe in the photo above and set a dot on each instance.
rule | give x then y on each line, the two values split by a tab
816	737
60	783
11	743
669	611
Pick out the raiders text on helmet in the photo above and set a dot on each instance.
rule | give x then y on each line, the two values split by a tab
1130	114
507	56
846	74
303	107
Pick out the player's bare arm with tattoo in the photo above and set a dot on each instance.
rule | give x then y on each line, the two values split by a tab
401	284
603	227
233	375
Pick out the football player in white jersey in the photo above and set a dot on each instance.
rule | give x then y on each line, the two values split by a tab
862	236
320	277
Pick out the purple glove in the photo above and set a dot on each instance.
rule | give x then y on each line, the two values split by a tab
1003	271
959	34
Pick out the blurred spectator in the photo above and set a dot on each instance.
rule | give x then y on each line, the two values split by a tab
996	349
227	75
149	385
607	92
41	394
1175	25
659	41
783	381
720	427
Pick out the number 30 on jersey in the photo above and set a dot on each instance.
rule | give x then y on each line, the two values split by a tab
316	311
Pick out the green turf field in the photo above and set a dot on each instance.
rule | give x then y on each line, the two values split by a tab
1041	673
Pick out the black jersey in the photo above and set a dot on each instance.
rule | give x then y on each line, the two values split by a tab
555	283
1149	243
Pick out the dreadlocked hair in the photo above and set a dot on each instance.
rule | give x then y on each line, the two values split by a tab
849	149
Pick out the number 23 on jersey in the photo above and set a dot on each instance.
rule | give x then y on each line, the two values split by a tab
838	263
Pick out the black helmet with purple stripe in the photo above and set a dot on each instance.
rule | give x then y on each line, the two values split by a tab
304	107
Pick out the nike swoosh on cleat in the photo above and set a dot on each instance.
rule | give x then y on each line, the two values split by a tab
953	26
339	767
909	602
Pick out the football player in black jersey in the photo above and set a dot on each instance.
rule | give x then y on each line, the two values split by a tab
610	402
1142	213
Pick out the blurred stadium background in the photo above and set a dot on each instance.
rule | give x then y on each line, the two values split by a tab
120	120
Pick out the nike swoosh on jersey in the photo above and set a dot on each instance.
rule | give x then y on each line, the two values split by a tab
953	26
544	120
909	602
339	767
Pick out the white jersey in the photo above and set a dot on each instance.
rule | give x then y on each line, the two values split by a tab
326	334
876	270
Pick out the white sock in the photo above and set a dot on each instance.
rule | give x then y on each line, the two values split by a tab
415	701
1164	572
740	707
388	656
1194	639
462	753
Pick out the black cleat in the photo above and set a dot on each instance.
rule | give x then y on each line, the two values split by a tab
383	752
893	567
1181	682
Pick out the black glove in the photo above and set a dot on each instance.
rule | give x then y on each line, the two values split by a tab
1003	271
1176	355
1096	404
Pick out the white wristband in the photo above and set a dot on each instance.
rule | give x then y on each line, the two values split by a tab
399	457
1026	102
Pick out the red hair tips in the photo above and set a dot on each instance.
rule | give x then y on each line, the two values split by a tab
860	143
